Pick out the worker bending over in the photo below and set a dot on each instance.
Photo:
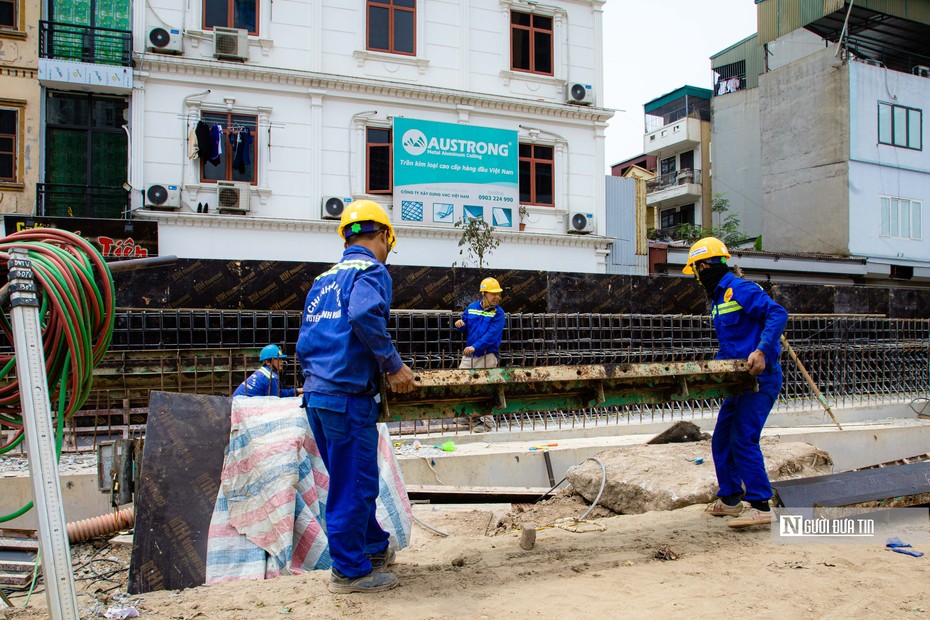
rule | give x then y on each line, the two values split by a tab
265	381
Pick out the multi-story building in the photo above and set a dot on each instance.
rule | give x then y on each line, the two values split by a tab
832	140
678	136
86	75
254	122
20	105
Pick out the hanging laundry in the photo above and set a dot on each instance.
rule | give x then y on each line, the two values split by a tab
193	152
243	156
202	131
216	144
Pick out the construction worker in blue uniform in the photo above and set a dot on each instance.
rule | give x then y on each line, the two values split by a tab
749	325
483	324
344	348
265	381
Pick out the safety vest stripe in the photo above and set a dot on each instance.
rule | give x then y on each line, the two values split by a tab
361	265
482	312
726	308
265	372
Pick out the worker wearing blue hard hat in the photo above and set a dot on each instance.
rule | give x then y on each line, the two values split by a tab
266	380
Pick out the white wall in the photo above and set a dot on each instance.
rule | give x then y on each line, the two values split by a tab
793	46
200	236
311	82
882	170
737	155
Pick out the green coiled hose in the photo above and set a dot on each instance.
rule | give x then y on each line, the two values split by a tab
77	316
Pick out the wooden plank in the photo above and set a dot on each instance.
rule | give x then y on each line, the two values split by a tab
886	486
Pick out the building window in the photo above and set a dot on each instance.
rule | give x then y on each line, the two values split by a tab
536	175
900	126
9	145
901	218
236	135
231	14
392	26
379	153
8	14
531	43
676	217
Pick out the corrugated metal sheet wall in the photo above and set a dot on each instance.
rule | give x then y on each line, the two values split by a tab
621	227
779	17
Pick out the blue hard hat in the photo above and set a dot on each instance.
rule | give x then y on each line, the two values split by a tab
271	352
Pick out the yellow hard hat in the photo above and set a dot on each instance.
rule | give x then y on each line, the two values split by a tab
490	285
705	248
357	213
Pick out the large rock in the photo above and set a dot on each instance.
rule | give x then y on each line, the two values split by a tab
666	476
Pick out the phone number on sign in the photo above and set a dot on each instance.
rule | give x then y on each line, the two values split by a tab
495	198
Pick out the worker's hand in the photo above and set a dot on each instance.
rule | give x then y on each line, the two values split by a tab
460	323
300	391
402	380
468	351
756	362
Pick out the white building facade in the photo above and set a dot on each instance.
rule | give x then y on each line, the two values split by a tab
303	97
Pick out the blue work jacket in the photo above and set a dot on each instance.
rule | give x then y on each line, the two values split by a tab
483	328
745	319
263	382
343	345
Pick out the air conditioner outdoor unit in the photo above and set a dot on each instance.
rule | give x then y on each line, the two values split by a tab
230	43
922	71
165	41
232	197
579	93
581	223
333	206
163	197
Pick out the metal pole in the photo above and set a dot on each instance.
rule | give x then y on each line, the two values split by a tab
40	439
810	381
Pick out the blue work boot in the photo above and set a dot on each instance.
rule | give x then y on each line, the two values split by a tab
374	581
380	561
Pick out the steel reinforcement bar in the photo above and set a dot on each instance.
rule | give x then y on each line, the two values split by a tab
854	359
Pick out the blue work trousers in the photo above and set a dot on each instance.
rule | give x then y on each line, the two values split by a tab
735	443
345	431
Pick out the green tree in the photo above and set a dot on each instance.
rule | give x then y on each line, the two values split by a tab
477	241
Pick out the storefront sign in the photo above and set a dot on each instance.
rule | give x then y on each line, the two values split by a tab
444	172
115	239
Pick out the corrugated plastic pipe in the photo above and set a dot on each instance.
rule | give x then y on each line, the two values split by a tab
79	531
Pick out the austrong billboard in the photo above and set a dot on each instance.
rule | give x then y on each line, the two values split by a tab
444	172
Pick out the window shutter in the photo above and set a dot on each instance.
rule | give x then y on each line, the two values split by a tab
915	220
886	218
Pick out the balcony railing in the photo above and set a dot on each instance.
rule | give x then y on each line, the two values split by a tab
671	179
61	200
101	46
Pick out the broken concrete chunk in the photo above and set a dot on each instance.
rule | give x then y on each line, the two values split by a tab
665	477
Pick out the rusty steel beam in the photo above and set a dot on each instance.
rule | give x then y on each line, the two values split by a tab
459	393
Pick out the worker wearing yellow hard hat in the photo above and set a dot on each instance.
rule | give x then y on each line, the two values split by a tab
749	325
344	348
482	322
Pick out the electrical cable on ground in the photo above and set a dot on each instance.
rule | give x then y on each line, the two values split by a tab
571	524
77	318
920	399
429	527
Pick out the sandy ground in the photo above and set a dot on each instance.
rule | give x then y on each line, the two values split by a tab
610	570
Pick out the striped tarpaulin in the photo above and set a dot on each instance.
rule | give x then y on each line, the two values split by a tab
269	517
